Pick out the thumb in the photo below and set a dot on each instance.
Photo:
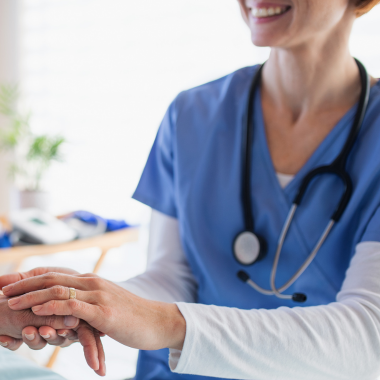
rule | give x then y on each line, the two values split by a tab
14	277
56	322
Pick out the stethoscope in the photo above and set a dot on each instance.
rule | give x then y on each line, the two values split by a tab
249	248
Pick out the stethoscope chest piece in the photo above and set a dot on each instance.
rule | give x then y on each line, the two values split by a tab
247	248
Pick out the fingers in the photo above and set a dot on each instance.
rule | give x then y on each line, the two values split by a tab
54	321
86	336
69	308
37	339
10	343
101	355
32	338
70	335
14	277
50	279
10	279
51	336
40	297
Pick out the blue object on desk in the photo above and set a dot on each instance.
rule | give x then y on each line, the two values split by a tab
90	218
5	241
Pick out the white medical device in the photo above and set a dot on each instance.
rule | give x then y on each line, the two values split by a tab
39	227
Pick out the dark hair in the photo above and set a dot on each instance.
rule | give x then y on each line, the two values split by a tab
364	6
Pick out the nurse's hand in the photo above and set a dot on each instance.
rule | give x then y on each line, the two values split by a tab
125	317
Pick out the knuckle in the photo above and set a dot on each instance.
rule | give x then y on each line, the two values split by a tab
107	313
59	291
74	304
23	318
49	276
99	297
28	297
94	282
50	320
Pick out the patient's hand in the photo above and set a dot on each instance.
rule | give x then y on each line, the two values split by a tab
13	322
35	338
19	326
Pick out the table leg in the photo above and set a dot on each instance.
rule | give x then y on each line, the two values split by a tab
100	261
53	357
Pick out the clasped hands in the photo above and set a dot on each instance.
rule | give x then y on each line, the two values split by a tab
40	299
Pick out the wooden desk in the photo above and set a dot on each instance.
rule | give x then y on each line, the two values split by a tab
105	242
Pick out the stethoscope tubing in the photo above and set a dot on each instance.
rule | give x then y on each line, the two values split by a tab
337	168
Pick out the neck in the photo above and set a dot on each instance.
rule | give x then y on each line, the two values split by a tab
315	76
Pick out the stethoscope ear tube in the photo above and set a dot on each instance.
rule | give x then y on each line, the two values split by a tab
246	153
333	170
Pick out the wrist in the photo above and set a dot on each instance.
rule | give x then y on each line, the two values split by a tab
175	328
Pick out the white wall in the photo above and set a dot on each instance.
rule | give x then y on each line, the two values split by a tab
8	74
103	73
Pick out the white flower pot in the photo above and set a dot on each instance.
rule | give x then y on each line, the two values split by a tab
34	199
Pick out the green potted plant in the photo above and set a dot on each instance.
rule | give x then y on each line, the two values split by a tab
30	155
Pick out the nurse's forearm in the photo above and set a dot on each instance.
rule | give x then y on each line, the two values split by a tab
336	341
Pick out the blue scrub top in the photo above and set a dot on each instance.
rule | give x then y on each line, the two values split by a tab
194	173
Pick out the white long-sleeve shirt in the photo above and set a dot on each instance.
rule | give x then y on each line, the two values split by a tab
339	341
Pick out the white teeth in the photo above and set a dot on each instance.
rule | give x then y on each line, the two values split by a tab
263	12
267	12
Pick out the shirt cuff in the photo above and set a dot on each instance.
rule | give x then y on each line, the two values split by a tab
174	356
179	361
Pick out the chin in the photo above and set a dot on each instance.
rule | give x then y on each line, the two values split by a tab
264	41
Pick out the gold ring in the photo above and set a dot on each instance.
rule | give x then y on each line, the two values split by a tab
73	293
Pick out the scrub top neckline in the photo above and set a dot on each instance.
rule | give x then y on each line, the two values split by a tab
313	161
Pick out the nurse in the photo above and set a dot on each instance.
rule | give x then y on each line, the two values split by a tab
190	300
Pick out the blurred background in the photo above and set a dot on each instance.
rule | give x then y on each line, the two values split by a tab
101	73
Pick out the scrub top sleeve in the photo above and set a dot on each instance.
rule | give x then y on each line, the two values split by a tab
157	183
372	231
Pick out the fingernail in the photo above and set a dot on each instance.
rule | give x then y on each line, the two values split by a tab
7	288
45	336
3	344
13	301
36	308
63	334
29	336
70	321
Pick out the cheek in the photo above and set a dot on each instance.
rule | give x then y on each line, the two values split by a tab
243	11
316	16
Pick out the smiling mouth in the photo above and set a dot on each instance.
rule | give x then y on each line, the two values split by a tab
265	12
